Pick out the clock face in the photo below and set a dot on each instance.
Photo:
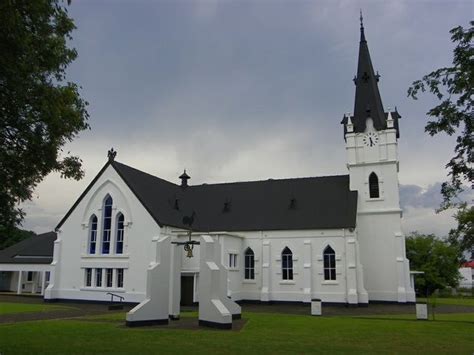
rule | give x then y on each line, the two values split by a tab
370	139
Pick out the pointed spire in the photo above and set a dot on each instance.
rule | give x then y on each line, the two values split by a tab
368	102
362	34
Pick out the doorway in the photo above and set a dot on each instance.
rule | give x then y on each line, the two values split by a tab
187	290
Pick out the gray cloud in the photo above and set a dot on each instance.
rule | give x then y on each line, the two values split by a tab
246	90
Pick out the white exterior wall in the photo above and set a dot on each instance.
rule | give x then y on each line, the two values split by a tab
308	276
71	248
467	277
382	243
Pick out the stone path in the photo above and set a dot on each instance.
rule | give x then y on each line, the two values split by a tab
75	310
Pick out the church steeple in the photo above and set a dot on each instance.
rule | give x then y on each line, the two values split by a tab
368	102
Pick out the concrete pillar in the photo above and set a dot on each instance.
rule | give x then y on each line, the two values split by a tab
34	280
351	271
43	282
155	308
215	308
266	269
20	277
400	255
175	281
307	271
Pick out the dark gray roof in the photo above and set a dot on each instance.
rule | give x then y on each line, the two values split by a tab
37	249
318	202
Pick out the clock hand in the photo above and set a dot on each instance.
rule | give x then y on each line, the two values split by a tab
371	142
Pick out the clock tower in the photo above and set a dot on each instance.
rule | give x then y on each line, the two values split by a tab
371	136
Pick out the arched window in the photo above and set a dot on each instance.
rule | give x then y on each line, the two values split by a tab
92	234
287	264
374	186
329	257
119	237
249	264
107	225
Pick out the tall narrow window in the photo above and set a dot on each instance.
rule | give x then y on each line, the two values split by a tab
107	211
119	278
109	273
98	277
232	261
119	237
249	264
374	186
88	277
287	264
92	234
329	257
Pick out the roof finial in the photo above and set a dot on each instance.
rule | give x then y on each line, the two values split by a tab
362	35
111	154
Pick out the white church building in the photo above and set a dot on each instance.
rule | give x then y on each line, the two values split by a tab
334	238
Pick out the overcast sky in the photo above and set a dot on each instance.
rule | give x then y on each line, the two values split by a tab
244	90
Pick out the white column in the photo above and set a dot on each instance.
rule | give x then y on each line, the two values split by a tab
175	281
307	277
400	245
351	272
34	280
20	276
43	282
266	269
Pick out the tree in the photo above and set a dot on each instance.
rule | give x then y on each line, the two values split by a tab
454	88
14	236
39	110
438	259
463	235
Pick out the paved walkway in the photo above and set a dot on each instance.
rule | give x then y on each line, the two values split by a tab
85	309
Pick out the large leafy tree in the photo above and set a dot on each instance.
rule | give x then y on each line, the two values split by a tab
454	87
454	115
40	111
438	259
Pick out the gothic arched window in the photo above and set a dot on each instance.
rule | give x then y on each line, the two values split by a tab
107	224
249	264
329	257
287	264
374	186
92	234
119	236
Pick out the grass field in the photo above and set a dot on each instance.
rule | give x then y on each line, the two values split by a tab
263	333
13	308
467	301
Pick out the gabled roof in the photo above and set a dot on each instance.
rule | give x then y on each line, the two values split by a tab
37	249
286	204
318	202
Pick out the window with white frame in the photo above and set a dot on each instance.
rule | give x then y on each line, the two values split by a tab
329	257
232	261
92	234
119	278
374	186
119	236
98	277
88	281
29	276
109	277
249	272
107	224
287	264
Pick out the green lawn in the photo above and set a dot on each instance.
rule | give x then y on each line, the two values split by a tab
263	333
467	301
11	308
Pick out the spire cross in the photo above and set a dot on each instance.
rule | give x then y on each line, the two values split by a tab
361	20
